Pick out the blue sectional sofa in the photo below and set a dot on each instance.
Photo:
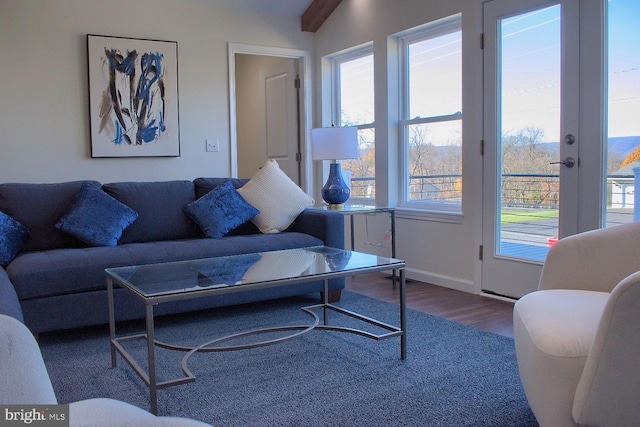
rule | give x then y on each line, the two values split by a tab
57	282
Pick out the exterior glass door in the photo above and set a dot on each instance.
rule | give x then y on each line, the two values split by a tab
530	137
561	134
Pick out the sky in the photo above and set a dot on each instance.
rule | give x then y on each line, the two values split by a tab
531	70
624	67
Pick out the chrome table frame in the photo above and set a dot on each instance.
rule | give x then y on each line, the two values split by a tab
150	379
358	209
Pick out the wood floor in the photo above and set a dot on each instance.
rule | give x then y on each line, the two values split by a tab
473	310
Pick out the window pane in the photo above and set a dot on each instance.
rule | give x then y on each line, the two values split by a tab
435	162
356	108
356	91
623	148
529	121
363	170
435	76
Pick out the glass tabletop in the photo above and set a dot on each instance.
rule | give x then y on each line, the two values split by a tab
240	270
354	209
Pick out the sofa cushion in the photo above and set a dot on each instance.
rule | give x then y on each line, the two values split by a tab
96	218
39	207
160	209
220	211
65	271
12	236
205	185
276	196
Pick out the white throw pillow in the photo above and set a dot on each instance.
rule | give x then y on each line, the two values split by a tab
276	196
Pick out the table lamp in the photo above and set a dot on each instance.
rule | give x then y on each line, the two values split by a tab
335	143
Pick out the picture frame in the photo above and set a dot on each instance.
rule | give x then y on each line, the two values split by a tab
133	97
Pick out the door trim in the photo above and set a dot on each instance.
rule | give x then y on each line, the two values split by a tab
304	56
593	128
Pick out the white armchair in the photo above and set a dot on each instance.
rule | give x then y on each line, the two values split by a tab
24	380
578	337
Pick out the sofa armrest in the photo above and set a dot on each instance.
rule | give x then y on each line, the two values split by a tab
9	304
595	260
325	225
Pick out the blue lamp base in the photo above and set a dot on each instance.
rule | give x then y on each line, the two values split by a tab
335	191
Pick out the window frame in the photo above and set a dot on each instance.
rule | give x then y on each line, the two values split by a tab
336	106
428	31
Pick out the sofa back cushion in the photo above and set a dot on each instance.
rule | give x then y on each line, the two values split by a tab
39	207
160	210
204	185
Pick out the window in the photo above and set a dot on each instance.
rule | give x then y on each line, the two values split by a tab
353	92
431	116
623	104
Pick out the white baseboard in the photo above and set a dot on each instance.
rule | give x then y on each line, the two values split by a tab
441	280
498	297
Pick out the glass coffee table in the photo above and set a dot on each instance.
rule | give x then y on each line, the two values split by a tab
155	284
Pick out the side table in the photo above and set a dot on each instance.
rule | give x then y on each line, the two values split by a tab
353	210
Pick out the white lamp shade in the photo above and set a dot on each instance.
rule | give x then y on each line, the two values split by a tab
334	143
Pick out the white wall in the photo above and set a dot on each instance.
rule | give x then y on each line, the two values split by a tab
44	119
436	251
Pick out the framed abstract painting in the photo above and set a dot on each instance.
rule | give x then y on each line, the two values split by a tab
133	97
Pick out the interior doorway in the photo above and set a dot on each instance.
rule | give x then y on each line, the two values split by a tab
267	121
269	111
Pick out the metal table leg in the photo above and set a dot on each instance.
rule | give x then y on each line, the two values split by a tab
112	321
392	212
151	354
403	316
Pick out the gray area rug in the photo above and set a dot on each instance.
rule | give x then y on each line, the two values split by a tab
454	375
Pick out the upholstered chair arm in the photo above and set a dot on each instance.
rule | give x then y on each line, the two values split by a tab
24	377
9	303
608	389
24	380
595	260
102	412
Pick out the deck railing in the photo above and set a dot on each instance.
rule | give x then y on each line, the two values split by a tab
532	191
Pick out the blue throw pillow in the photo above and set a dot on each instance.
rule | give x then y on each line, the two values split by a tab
12	236
220	210
96	218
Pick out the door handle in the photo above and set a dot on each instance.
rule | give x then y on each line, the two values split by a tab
568	162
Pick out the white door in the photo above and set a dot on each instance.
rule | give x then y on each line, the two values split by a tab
535	100
280	91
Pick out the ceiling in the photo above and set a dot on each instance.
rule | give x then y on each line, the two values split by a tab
280	7
312	13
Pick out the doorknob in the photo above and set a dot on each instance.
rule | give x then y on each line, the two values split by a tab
568	162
